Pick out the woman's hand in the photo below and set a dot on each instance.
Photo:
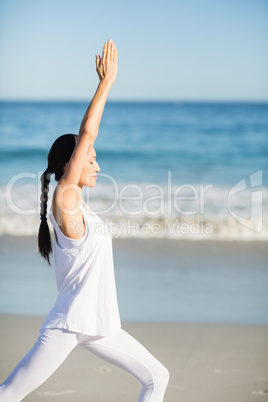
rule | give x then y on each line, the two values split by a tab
107	65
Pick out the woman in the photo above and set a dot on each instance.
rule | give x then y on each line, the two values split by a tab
86	311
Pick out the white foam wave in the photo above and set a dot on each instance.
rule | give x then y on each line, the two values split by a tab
195	212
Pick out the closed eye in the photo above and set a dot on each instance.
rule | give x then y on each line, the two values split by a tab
92	160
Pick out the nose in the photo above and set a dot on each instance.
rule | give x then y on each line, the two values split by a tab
98	168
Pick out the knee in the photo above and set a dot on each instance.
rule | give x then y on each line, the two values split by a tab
161	376
166	375
158	378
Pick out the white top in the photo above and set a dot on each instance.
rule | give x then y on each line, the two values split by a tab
87	300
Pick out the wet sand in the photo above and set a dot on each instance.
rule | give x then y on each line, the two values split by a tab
208	362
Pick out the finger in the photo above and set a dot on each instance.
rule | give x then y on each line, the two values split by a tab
113	54
97	60
112	51
104	51
109	48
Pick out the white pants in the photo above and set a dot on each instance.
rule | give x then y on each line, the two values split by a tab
54	345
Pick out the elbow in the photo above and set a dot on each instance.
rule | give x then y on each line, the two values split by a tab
87	133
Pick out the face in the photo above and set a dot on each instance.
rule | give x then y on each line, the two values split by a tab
89	173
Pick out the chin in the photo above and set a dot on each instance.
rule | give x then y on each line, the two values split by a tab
87	184
91	184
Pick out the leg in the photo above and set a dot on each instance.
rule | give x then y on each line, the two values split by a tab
47	354
124	351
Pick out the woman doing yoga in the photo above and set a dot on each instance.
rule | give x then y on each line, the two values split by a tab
86	310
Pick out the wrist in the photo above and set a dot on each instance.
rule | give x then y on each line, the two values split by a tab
106	83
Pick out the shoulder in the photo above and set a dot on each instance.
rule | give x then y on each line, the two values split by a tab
67	211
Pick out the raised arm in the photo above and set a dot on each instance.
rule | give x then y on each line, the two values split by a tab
67	193
106	67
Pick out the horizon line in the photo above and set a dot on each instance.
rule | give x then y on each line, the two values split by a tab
136	100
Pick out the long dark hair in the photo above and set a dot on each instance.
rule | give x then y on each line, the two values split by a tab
59	154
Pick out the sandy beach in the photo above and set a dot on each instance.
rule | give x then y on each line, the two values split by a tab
207	363
158	280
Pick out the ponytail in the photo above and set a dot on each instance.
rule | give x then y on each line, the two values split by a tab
44	238
59	154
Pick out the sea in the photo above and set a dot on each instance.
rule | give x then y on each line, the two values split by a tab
168	170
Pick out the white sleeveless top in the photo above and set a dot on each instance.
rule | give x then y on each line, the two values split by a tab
87	300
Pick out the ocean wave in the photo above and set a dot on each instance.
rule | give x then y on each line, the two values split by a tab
196	212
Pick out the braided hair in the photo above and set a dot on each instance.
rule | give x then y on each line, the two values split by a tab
59	154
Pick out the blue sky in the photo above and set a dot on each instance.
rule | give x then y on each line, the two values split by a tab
177	50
